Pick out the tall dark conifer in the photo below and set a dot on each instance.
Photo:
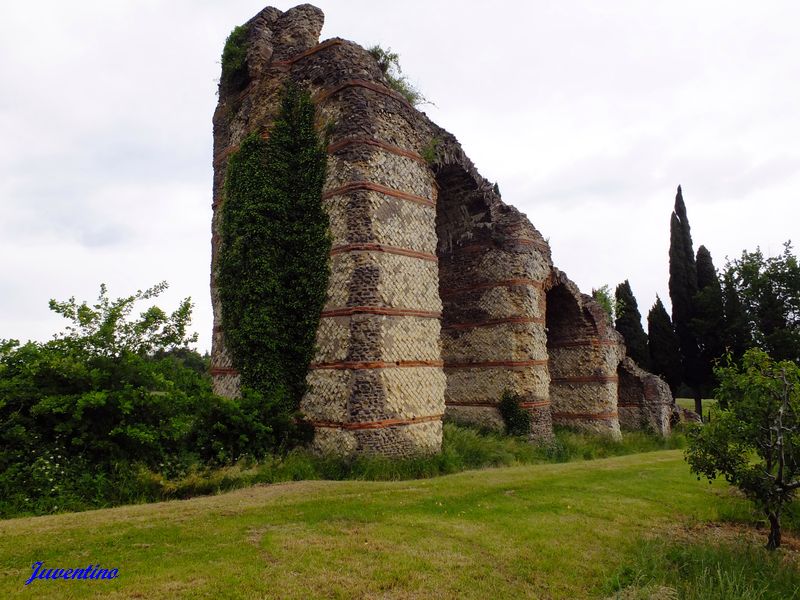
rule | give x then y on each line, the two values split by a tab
629	324
708	323
665	354
682	290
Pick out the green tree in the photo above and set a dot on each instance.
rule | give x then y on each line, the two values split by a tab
116	391
274	257
663	346
737	335
629	324
754	442
708	322
682	291
769	292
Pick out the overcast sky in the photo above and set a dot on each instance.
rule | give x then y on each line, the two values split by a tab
587	114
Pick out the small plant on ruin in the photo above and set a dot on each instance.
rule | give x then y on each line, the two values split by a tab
389	64
754	442
234	60
430	152
605	298
274	254
517	420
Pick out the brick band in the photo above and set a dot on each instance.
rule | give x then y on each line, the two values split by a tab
588	379
493	322
226	152
444	292
376	424
223	371
313	50
537	404
336	146
365	141
379	310
376	187
362	83
495	363
383	248
376	364
478	246
580	343
572	416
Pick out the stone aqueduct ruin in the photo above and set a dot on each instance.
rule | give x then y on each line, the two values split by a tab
441	296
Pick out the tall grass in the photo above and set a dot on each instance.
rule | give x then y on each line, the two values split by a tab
463	448
701	571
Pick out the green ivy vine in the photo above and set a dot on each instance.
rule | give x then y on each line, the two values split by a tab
274	253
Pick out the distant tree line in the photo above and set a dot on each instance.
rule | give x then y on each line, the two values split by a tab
753	302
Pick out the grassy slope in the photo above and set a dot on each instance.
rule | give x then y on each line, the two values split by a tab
537	531
708	403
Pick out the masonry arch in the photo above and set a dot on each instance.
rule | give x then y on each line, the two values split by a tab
492	331
582	362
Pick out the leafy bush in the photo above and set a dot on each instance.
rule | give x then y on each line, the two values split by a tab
517	420
234	60
81	414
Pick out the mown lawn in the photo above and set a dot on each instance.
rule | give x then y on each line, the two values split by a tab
574	530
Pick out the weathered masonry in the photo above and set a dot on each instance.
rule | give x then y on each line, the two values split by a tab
441	296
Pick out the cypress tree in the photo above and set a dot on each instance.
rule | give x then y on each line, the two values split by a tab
664	347
708	323
629	324
682	290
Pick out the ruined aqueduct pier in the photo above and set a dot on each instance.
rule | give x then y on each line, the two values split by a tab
441	296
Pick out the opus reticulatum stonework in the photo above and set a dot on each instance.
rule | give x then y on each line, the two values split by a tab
441	296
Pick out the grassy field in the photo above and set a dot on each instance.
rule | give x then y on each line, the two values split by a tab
630	527
708	403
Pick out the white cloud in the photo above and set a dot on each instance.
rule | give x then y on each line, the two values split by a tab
587	114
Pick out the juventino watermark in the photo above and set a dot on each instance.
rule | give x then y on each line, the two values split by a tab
90	572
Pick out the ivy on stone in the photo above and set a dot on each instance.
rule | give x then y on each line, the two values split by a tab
274	255
516	419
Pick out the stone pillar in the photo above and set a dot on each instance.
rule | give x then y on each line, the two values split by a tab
376	383
493	266
584	351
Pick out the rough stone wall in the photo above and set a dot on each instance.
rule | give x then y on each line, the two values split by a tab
583	353
645	401
376	382
493	265
441	296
